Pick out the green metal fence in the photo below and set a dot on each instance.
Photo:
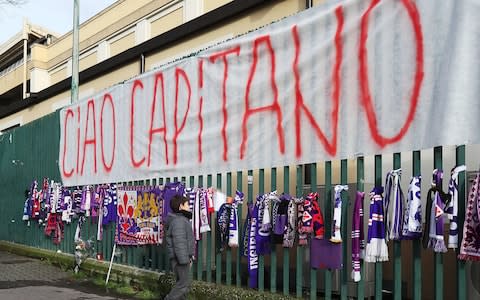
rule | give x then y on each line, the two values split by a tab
31	152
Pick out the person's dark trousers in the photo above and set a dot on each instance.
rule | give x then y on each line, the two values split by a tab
182	285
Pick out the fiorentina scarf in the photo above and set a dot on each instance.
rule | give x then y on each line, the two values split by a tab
302	235
377	250
337	214
393	214
318	227
223	220
358	242
289	235
470	247
435	213
307	217
412	220
263	226
252	246
204	224
452	208
280	218
233	225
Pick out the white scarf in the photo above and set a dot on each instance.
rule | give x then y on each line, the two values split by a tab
233	225
203	207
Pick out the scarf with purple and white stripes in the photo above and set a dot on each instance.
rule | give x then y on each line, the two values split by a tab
233	225
377	250
358	241
393	214
452	208
412	220
470	247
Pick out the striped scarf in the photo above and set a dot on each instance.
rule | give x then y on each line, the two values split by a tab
289	235
358	242
412	220
233	225
470	247
377	250
433	237
337	214
452	208
393	214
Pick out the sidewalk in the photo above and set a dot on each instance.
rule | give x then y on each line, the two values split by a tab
23	278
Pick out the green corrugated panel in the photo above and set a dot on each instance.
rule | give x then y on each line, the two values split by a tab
461	275
200	244
438	257
417	245
344	228
210	250
397	248
378	266
361	188
218	258
261	258
313	272
273	255
240	234
229	250
286	257
300	250
328	223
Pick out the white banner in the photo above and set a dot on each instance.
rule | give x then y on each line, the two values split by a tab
342	79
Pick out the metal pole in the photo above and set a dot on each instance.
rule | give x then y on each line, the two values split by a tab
75	46
25	56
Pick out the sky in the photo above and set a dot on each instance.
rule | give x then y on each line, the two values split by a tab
55	15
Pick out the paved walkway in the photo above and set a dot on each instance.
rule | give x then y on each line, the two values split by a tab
26	278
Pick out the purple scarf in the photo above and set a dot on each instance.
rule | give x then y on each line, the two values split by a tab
171	189
470	247
452	209
435	213
280	218
377	250
358	241
263	229
252	246
110	205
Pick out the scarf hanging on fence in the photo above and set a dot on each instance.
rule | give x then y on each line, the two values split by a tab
196	215
78	231
44	201
110	204
191	195
169	191
210	202
358	241
233	226
27	209
302	234
452	208
337	214
289	235
54	226
99	195
223	221
264	226
280	218
394	212
376	250
67	212
433	237
204	223
252	246
34	196
318	225
470	247
412	220
307	218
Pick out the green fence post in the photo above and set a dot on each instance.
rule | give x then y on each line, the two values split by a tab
378	265
238	273
361	188
343	226
416	244
273	255
313	272
327	206
229	250
210	250
300	249
461	275
286	254
200	244
261	258
438	257
397	248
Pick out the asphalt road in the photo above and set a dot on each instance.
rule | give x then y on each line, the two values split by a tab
26	278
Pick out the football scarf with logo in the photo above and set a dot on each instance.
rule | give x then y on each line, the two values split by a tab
412	219
376	250
233	225
452	208
358	241
470	247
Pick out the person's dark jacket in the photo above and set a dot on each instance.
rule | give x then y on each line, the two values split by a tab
179	235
